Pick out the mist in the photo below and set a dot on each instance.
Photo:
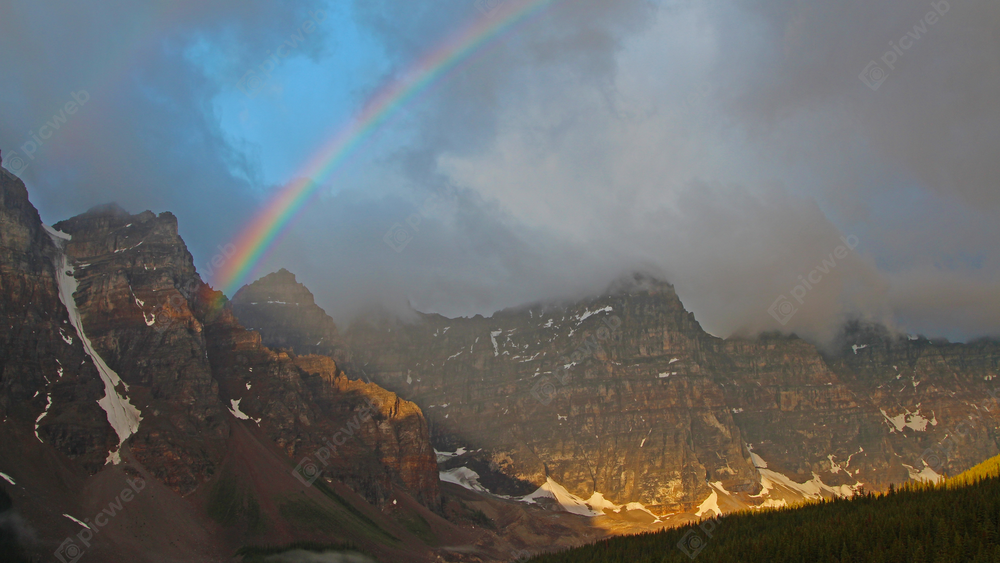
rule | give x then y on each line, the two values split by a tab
732	146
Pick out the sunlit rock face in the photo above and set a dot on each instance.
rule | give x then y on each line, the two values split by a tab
625	395
114	345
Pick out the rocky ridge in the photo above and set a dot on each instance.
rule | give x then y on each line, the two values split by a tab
117	363
190	367
623	398
264	306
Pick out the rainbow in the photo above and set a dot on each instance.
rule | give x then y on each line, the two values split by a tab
259	235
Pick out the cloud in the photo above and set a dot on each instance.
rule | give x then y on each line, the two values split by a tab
147	136
729	145
733	145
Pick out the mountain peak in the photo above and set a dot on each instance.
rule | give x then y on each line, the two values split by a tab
112	209
278	300
640	281
280	286
281	276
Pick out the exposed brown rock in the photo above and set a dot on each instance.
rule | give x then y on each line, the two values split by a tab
398	431
640	404
41	355
190	365
286	315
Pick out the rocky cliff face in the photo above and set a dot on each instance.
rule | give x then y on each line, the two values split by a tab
136	289
113	344
190	367
286	315
49	387
397	430
624	395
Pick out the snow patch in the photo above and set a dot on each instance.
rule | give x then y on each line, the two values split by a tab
911	420
235	410
711	504
567	500
463	477
926	474
129	248
834	466
493	338
444	456
532	358
77	521
7	478
587	314
41	416
813	489
856	348
122	415
56	234
860	450
600	504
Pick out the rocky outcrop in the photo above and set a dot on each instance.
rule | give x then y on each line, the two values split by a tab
49	387
397	429
190	369
286	315
625	395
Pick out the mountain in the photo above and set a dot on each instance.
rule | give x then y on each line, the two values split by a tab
621	405
189	365
306	328
141	422
916	524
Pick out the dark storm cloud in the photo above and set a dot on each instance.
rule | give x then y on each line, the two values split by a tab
733	144
147	137
730	145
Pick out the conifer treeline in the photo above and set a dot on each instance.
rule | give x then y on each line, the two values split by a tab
920	523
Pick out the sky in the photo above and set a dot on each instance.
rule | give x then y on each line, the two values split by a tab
788	165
